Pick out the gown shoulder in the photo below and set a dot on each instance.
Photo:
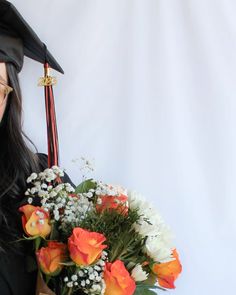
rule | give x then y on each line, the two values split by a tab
18	282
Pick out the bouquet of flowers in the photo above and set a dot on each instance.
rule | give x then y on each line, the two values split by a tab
96	238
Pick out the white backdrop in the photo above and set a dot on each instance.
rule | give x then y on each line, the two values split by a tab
149	92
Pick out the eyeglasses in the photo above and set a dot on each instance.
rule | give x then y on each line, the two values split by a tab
4	90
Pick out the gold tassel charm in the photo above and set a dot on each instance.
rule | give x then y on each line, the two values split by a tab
47	80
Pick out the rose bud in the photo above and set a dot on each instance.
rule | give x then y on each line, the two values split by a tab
118	279
118	203
35	221
85	247
168	272
50	257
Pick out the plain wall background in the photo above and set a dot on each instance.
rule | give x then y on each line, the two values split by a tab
149	92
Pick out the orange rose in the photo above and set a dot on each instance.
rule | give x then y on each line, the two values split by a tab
35	221
85	247
118	280
50	257
118	203
168	272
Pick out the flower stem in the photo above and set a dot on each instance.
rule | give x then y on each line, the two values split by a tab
37	243
47	279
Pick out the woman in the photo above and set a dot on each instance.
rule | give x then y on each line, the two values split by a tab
18	271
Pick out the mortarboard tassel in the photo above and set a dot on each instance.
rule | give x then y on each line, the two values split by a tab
52	136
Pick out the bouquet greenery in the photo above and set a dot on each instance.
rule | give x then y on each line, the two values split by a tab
96	238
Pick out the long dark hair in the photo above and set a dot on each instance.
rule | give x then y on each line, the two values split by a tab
17	162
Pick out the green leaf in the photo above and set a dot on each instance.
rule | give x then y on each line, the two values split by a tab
54	235
122	240
151	280
85	186
29	238
70	263
149	286
144	290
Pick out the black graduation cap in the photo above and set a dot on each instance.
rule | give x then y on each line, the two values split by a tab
17	39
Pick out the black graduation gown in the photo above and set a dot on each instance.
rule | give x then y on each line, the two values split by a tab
16	278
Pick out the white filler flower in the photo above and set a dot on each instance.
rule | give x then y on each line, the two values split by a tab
151	225
138	274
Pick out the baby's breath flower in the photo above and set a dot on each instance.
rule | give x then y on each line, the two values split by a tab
69	284
30	200
32	177
82	283
74	277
